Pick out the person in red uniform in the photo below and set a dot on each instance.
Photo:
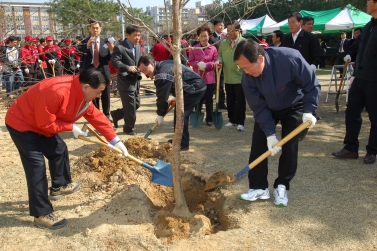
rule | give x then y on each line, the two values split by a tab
70	58
34	122
263	42
52	57
42	63
159	52
29	61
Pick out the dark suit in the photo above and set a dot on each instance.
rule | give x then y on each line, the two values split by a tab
104	57
128	84
213	39
341	55
307	44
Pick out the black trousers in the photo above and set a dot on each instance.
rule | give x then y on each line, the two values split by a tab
221	91
30	79
33	148
236	103
190	101
361	94
340	60
105	98
208	100
130	103
49	73
289	118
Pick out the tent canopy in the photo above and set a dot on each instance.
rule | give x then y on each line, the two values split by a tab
329	21
250	26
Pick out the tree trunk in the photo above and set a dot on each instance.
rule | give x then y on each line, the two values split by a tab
180	208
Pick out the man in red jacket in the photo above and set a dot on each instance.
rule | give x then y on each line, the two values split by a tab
34	122
52	58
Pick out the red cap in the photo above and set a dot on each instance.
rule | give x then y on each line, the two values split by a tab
49	38
67	41
29	38
35	40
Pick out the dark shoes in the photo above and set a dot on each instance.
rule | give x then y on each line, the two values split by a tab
345	154
182	148
132	132
115	119
369	158
49	221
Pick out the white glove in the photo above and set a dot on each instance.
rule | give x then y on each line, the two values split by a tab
77	131
218	63
313	67
122	147
39	61
160	120
271	141
27	71
347	57
202	66
52	61
78	65
309	116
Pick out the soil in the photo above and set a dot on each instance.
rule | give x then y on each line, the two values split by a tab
331	201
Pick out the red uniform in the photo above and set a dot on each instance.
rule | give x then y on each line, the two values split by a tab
264	44
71	60
160	53
52	53
29	60
52	106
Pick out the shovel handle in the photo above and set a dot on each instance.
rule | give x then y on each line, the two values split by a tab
218	75
156	124
287	138
343	75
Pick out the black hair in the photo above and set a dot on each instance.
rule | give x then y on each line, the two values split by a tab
42	40
307	19
92	77
249	49
343	32
78	38
12	38
236	25
217	21
297	15
145	60
279	34
18	38
131	29
92	21
358	29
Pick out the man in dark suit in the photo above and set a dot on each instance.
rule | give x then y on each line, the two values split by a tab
96	53
342	45
277	37
125	58
218	26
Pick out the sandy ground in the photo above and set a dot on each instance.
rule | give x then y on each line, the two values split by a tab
330	202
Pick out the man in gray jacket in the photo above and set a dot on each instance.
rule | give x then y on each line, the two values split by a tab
163	74
124	58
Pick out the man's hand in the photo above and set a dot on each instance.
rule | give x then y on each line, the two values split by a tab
78	66
346	58
271	141
160	120
90	41
309	116
122	147
172	102
77	131
202	66
132	69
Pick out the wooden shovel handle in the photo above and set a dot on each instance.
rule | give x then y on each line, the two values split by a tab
169	109
343	75
218	74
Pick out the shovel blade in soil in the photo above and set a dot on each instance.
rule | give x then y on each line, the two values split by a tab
162	173
147	134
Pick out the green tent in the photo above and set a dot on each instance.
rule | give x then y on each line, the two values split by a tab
329	21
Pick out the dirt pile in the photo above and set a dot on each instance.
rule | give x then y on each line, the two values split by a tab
106	172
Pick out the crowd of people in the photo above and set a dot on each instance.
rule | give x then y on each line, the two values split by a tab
277	81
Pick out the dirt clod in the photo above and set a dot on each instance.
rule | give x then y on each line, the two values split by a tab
218	179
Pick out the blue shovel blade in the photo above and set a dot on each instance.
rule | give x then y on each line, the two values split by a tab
162	173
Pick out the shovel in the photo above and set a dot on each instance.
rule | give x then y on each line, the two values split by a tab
162	172
196	118
216	115
340	86
216	180
156	124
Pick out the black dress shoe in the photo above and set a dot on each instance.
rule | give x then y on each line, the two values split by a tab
132	132
223	107
170	141
185	148
369	158
115	121
345	154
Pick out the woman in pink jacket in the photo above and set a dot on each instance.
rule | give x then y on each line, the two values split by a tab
203	61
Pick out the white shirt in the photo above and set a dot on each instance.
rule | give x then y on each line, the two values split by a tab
294	37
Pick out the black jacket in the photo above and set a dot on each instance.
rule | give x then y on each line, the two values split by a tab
307	44
366	60
346	45
214	38
164	82
122	58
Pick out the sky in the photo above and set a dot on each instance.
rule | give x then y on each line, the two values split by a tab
135	3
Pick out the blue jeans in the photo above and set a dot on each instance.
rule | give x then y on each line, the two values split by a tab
13	80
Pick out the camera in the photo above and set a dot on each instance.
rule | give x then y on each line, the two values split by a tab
137	75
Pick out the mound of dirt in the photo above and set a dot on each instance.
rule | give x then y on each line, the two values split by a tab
105	171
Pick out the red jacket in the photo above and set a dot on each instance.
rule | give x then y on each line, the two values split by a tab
29	54
69	52
53	48
52	106
160	53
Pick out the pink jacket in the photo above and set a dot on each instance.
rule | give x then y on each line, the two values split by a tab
208	56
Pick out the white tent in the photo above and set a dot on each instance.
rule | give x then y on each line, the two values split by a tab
256	24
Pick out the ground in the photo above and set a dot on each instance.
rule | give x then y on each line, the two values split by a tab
331	201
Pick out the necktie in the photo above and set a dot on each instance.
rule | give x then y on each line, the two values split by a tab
96	55
341	46
233	43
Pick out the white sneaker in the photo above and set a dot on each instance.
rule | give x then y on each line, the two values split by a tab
254	194
240	128
280	194
229	124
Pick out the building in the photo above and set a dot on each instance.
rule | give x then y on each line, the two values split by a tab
22	19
